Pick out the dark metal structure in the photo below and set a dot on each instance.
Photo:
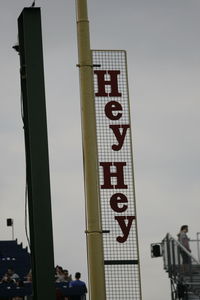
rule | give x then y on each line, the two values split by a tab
37	161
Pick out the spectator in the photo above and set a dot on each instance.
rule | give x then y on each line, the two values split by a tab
12	274
59	276
183	238
67	277
28	277
184	241
78	283
7	279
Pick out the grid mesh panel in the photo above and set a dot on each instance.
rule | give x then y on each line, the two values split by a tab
121	258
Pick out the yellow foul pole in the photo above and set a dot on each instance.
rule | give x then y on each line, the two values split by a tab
93	223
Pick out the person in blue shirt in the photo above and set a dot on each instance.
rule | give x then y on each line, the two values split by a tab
79	284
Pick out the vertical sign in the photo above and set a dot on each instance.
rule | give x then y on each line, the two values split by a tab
117	193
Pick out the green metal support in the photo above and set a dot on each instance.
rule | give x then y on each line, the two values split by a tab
37	160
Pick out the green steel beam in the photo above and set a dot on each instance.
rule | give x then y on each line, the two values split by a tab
37	159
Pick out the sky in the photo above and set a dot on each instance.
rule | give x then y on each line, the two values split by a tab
163	48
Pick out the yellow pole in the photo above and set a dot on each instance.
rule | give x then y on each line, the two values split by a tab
93	223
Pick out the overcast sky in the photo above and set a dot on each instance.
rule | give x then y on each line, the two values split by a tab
163	45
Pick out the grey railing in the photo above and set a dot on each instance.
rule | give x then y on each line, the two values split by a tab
184	277
172	255
182	266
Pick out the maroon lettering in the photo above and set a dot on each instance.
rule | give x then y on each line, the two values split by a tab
118	174
119	134
111	107
102	82
125	223
117	199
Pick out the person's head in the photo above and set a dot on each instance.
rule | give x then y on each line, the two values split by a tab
78	275
7	277
10	271
184	228
66	273
59	269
